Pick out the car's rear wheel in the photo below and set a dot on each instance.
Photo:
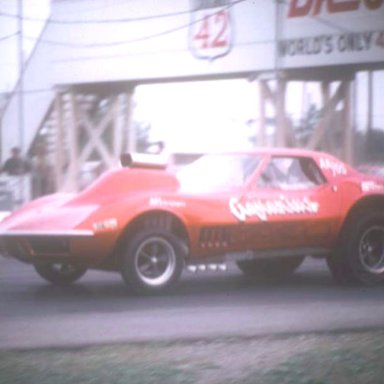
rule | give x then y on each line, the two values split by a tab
152	261
270	269
59	273
360	255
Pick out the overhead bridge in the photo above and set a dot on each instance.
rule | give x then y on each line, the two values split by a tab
78	84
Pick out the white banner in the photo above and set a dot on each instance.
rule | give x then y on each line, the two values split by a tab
332	32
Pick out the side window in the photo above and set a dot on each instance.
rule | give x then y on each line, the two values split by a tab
289	173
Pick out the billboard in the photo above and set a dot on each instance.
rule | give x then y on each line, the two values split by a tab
180	39
332	32
141	41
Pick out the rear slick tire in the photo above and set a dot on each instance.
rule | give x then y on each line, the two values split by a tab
359	258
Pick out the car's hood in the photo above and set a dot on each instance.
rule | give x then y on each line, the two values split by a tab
54	214
127	181
66	212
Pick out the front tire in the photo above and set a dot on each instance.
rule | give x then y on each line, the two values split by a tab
59	273
359	258
152	261
270	269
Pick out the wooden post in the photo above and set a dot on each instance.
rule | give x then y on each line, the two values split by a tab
129	127
328	109
73	170
370	102
95	133
59	142
349	132
281	133
117	129
327	138
261	140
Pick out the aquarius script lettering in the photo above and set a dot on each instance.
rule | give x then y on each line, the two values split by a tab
264	209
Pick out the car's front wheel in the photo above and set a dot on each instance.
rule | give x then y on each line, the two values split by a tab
267	269
152	261
360	255
59	273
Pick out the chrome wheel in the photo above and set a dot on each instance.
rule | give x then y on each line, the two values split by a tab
371	250
152	261
155	261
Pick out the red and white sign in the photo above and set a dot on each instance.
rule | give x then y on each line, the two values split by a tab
210	29
300	8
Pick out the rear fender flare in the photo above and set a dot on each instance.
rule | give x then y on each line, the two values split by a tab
368	203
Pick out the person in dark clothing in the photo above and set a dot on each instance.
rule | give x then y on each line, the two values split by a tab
16	165
42	182
17	170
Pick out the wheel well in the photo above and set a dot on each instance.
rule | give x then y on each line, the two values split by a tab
370	203
154	220
367	204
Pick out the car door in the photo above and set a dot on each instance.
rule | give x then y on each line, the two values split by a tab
289	205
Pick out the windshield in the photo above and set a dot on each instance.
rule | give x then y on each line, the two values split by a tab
212	173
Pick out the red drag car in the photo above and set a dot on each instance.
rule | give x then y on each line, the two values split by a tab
265	209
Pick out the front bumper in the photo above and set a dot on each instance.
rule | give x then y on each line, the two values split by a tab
30	246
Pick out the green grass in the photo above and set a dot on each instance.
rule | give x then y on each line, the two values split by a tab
86	366
356	359
297	359
343	366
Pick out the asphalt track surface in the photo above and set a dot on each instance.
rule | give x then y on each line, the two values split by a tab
98	309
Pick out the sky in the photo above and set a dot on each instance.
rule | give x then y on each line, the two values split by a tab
9	36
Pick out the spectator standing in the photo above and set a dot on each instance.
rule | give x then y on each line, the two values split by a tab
15	165
41	174
17	169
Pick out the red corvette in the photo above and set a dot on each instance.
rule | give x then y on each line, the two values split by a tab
266	210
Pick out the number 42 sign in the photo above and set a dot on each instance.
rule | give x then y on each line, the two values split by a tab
210	29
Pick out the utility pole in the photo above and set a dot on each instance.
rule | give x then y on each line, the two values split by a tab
22	181
280	90
21	74
370	102
278	32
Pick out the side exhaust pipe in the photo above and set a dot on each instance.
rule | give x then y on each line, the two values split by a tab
194	268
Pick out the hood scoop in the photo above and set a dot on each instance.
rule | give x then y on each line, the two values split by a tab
143	160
